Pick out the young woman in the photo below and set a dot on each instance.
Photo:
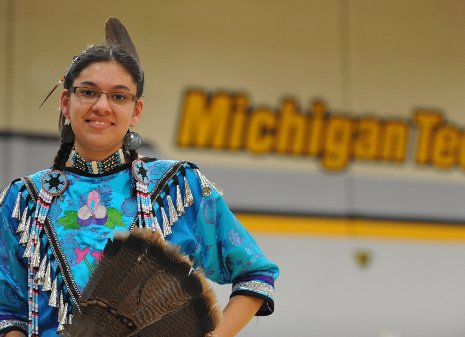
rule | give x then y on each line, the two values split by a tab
56	222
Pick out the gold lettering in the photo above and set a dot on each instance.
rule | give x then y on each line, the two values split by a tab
366	144
445	148
395	140
337	143
426	121
291	129
226	121
239	118
316	128
261	132
204	121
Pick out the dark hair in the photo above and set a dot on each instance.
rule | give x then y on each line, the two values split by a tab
105	53
93	54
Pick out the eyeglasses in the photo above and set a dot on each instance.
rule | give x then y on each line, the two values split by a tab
91	96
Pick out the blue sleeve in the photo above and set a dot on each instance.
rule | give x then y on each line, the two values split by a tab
13	272
229	253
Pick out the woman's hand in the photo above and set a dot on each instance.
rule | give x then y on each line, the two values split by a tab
237	313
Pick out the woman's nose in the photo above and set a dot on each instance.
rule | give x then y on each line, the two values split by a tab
102	103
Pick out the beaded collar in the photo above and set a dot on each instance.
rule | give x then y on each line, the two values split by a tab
97	167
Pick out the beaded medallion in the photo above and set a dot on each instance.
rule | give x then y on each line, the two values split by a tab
54	182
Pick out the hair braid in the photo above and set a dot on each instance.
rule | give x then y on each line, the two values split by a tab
133	155
62	156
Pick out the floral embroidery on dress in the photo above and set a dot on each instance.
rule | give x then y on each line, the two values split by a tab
235	238
93	212
82	256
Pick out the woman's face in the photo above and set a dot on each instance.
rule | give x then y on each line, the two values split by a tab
100	127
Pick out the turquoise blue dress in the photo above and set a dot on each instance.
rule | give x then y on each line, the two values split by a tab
92	207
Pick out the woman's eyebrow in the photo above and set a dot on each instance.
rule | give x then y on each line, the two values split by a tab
89	83
121	86
92	84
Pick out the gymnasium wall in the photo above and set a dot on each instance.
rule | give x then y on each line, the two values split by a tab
335	127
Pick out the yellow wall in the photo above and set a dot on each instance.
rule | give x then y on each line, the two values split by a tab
385	58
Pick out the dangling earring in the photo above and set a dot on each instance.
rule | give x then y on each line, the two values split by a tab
67	134
132	141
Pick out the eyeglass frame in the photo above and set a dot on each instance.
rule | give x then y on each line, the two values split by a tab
99	93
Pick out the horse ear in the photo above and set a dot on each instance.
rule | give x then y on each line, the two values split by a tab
116	34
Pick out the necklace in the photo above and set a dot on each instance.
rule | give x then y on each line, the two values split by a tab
97	167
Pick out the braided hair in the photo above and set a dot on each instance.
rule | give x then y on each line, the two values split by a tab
93	54
62	156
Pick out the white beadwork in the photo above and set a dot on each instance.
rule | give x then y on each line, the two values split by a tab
22	222
171	210
16	209
188	197
255	286
179	205
47	279
3	194
53	301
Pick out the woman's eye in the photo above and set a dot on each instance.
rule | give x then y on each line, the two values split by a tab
88	93
120	97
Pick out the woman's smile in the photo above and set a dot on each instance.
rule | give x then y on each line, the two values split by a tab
99	124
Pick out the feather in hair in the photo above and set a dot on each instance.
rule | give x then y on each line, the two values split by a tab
51	91
116	33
